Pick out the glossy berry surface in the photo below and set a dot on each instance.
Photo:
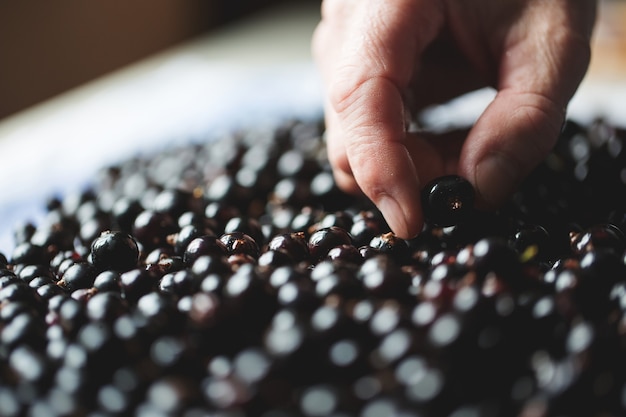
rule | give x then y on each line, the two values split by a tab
323	240
240	243
233	278
447	200
293	244
204	245
114	250
78	275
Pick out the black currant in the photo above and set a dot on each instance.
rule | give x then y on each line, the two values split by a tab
447	200
114	250
323	240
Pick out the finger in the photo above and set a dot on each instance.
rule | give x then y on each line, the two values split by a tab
337	156
329	34
512	136
427	160
376	64
543	62
376	152
439	152
433	155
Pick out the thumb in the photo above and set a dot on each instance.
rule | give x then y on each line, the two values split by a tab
539	74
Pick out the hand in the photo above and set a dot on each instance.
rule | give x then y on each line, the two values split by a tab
373	53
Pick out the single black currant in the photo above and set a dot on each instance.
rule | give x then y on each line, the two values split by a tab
447	200
323	240
114	250
240	243
204	245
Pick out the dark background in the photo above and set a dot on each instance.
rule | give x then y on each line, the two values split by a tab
48	47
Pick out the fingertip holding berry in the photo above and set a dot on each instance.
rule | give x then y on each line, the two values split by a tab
447	200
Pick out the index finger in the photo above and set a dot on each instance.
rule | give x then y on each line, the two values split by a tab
365	96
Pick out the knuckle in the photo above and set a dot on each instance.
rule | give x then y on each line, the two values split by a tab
542	117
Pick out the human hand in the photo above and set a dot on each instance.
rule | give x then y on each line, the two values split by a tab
372	53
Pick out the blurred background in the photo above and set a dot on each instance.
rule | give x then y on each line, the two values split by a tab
84	84
47	47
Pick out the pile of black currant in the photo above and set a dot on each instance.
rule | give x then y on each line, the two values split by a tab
233	278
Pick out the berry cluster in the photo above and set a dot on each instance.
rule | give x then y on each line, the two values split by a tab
233	278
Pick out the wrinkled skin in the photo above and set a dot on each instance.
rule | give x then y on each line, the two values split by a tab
372	54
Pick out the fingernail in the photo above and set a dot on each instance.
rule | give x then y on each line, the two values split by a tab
395	217
496	178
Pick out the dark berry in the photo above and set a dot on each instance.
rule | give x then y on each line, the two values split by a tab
179	283
600	271
18	291
25	330
166	265
181	239
28	272
136	283
367	251
114	250
248	225
28	253
342	284
391	245
220	212
345	253
107	281
382	277
298	295
39	281
323	240
274	259
210	264
174	202
78	275
599	236
341	219
240	243
532	242
151	228
72	315
106	306
365	226
447	200
293	244
204	245
8	279
124	212
303	221
47	291
495	255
